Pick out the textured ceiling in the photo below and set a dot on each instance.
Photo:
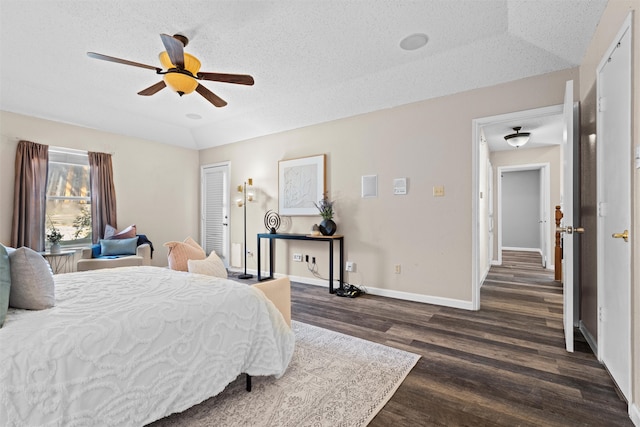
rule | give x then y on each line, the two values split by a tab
313	61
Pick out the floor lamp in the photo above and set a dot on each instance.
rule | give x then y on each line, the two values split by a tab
246	197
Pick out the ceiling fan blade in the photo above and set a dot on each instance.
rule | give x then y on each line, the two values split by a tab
211	97
153	89
241	79
121	61
175	49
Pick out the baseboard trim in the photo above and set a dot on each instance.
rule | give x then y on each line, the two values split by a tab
484	276
509	248
634	414
427	299
408	296
589	338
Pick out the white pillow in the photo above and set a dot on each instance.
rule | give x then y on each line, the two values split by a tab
211	266
32	285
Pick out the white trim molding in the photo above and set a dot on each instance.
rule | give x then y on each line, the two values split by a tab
407	296
634	414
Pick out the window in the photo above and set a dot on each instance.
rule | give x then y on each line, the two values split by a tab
69	195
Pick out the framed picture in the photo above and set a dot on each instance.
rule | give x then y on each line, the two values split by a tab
301	183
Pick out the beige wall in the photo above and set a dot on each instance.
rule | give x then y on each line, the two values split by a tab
429	143
157	185
610	23
550	155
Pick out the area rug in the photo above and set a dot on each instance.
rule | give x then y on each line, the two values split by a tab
333	380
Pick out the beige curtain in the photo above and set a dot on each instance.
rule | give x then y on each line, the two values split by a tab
30	195
103	194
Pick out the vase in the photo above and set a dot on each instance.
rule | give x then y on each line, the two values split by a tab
327	227
55	248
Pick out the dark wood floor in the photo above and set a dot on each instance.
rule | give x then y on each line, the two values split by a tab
504	365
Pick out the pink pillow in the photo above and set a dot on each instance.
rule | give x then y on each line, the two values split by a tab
181	252
127	233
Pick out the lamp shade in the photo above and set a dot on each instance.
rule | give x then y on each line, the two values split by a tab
517	139
191	63
178	81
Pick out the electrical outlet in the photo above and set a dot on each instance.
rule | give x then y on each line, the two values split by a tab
397	268
297	257
350	266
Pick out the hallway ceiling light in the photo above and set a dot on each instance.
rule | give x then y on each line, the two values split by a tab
517	139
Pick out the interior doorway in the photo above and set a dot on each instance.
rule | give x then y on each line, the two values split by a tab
214	204
546	126
524	210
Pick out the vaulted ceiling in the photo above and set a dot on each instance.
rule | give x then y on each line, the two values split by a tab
312	61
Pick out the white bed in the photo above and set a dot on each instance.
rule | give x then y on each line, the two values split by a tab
131	345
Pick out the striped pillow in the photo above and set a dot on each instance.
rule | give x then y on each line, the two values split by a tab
181	252
211	266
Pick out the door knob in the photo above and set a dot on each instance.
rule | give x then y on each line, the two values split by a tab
570	230
624	235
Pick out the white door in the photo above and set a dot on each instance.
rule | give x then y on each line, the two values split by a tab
614	201
490	210
544	233
567	221
215	210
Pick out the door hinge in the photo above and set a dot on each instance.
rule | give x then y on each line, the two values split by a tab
602	209
602	104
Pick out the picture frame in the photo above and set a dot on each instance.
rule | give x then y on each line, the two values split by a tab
301	184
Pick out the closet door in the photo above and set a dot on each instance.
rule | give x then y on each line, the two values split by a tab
215	210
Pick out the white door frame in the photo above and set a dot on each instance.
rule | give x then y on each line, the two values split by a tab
476	125
545	202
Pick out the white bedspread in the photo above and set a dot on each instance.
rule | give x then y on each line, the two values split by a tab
130	345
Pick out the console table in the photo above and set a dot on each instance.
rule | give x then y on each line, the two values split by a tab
286	236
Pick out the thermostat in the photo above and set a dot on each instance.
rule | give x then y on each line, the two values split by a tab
400	186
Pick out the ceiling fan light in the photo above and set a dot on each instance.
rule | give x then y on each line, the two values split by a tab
518	141
191	63
180	83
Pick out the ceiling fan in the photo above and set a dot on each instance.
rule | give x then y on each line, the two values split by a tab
181	71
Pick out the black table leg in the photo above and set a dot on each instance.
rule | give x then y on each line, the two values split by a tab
341	264
259	265
331	266
271	258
